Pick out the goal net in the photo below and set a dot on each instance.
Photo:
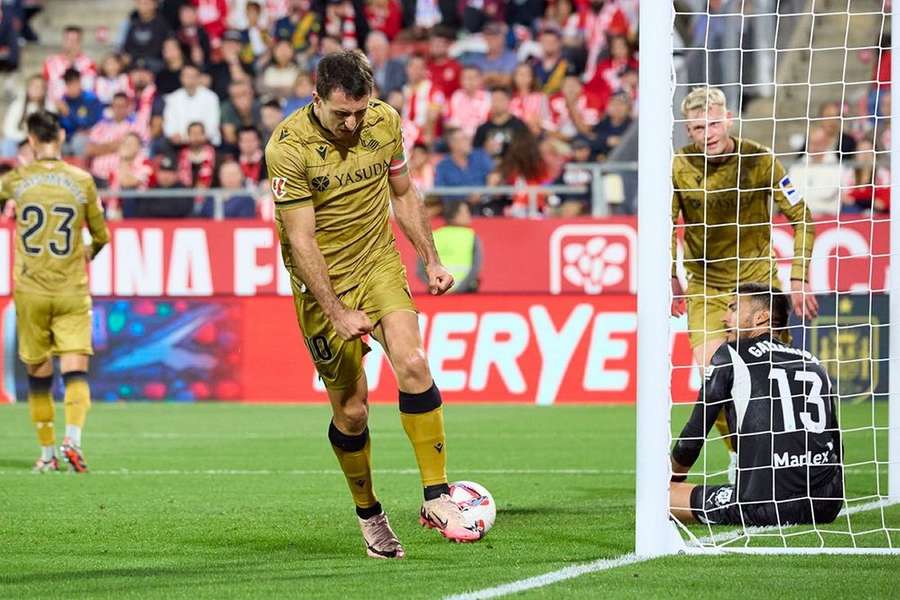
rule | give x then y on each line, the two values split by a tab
778	120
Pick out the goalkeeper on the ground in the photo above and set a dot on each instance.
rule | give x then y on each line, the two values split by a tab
779	401
726	189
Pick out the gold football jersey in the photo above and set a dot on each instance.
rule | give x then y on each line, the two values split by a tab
347	185
727	210
54	200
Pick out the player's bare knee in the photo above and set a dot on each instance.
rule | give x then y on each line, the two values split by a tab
412	370
352	417
44	369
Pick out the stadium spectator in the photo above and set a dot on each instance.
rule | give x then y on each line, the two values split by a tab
301	26
9	41
575	204
469	106
169	77
71	57
592	25
168	10
301	94
607	134
146	33
196	161
521	165
390	73
423	103
148	103
463	166
443	71
385	16
278	76
30	8
250	156
421	169
192	102
111	80
30	98
499	62
239	111
79	110
228	66
107	136
343	22
240	202
831	121
427	15
212	15
477	13
166	178
571	111
525	13
620	60
459	248
193	38
552	68
818	176
867	186
271	115
528	103
494	134
256	35
132	171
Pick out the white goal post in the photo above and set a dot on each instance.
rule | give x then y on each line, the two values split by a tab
656	533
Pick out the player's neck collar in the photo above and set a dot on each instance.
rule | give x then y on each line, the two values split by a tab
314	119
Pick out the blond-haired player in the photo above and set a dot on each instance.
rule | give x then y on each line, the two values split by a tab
53	203
725	189
337	167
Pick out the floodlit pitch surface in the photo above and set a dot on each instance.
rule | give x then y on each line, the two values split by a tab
223	500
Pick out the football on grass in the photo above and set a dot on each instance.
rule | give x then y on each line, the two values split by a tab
477	504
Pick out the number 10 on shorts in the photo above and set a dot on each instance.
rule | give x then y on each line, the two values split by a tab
319	348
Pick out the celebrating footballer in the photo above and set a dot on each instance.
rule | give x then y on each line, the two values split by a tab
337	167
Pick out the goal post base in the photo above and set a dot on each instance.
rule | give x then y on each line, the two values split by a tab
723	550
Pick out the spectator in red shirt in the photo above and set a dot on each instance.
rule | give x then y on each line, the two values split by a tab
385	16
423	103
212	16
143	94
71	56
106	137
111	79
522	165
196	161
443	71
250	156
572	112
621	59
131	171
528	103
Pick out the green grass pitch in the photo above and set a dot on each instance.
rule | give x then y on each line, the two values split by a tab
238	501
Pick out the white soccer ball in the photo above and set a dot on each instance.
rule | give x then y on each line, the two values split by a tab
477	504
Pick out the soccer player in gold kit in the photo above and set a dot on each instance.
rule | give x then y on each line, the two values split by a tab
336	169
726	188
53	202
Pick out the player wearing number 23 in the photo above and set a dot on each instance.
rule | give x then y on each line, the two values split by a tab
53	202
779	401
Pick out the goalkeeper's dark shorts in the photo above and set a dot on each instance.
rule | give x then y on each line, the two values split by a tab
718	505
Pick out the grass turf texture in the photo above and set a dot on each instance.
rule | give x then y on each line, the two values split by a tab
246	501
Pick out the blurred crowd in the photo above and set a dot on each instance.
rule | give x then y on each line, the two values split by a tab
490	92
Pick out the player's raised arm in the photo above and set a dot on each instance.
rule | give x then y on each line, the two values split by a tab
409	210
792	206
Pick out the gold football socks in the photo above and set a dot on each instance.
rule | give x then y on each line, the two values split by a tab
353	454
77	402
422	416
40	404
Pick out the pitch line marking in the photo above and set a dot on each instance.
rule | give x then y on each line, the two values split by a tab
605	564
301	472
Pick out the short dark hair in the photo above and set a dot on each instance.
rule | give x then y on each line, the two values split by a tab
199	124
44	125
249	129
349	70
765	297
502	89
451	209
122	95
71	74
73	29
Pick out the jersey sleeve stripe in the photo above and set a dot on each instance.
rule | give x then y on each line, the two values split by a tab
293	202
398	165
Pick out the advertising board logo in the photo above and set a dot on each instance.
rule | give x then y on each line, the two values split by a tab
593	258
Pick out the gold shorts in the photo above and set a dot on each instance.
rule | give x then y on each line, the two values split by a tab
706	307
339	363
52	325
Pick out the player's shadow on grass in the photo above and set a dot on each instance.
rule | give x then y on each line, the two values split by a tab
7	463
